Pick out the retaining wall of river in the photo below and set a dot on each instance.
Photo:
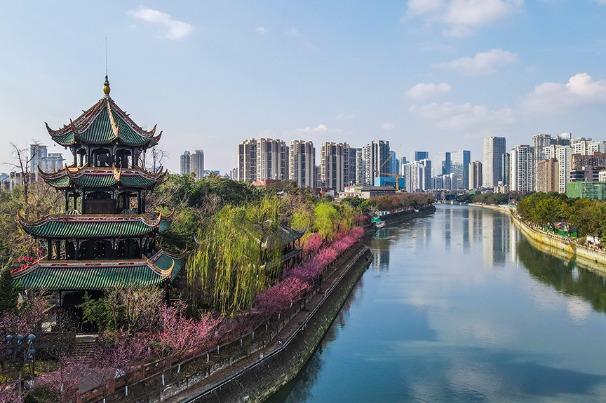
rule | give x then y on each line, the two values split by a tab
260	380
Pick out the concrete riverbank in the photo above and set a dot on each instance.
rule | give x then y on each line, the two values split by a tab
256	378
564	248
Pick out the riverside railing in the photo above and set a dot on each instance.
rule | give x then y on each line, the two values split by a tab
209	360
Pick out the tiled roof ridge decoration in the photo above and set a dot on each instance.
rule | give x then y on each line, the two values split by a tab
151	219
148	270
126	177
65	226
72	133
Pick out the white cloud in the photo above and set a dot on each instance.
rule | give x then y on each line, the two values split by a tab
579	309
388	126
483	62
428	90
321	130
295	33
419	7
169	27
553	96
449	115
462	17
261	30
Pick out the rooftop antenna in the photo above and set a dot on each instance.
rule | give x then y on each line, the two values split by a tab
106	55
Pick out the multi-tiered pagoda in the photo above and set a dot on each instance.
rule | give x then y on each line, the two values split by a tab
105	238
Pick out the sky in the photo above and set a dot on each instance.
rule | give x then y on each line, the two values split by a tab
430	75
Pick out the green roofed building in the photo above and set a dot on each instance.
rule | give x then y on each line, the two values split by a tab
104	238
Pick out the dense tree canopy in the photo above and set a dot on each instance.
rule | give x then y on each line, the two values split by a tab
587	216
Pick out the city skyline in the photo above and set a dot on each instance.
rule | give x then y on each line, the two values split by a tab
423	75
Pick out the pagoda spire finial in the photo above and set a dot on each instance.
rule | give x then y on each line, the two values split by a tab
106	88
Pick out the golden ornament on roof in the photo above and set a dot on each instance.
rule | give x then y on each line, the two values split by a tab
106	88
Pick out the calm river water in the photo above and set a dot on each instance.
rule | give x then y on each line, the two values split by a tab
458	306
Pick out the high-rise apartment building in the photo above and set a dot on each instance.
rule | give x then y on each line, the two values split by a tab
332	165
360	167
446	163
475	175
351	166
247	160
260	159
459	163
586	146
522	169
192	163
594	160
196	163
563	155
376	160
184	163
301	163
492	166
547	175
417	176
272	159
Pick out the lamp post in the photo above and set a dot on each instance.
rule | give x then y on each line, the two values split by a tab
18	346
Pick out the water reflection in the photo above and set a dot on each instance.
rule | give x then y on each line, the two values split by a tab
564	277
434	320
299	389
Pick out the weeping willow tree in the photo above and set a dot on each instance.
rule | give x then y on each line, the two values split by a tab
238	255
347	216
326	218
303	219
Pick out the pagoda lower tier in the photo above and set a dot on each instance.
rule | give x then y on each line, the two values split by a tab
92	236
84	275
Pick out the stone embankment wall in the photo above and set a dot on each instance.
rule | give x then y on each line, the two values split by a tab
395	218
567	249
263	378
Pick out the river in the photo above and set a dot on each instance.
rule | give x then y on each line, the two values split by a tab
458	306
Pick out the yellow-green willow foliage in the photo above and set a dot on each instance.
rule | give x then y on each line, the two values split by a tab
326	218
348	216
303	219
238	255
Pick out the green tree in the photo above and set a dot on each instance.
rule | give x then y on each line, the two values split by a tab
237	256
325	219
8	292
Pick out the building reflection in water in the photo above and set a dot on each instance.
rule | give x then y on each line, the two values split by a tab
496	242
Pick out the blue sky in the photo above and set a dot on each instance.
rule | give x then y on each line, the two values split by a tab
434	75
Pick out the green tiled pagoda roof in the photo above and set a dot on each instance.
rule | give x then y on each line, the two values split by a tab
73	277
95	181
165	260
92	226
87	177
99	275
136	181
104	123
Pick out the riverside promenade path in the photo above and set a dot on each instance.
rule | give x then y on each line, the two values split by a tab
257	376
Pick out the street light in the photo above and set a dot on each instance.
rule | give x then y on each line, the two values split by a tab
17	345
